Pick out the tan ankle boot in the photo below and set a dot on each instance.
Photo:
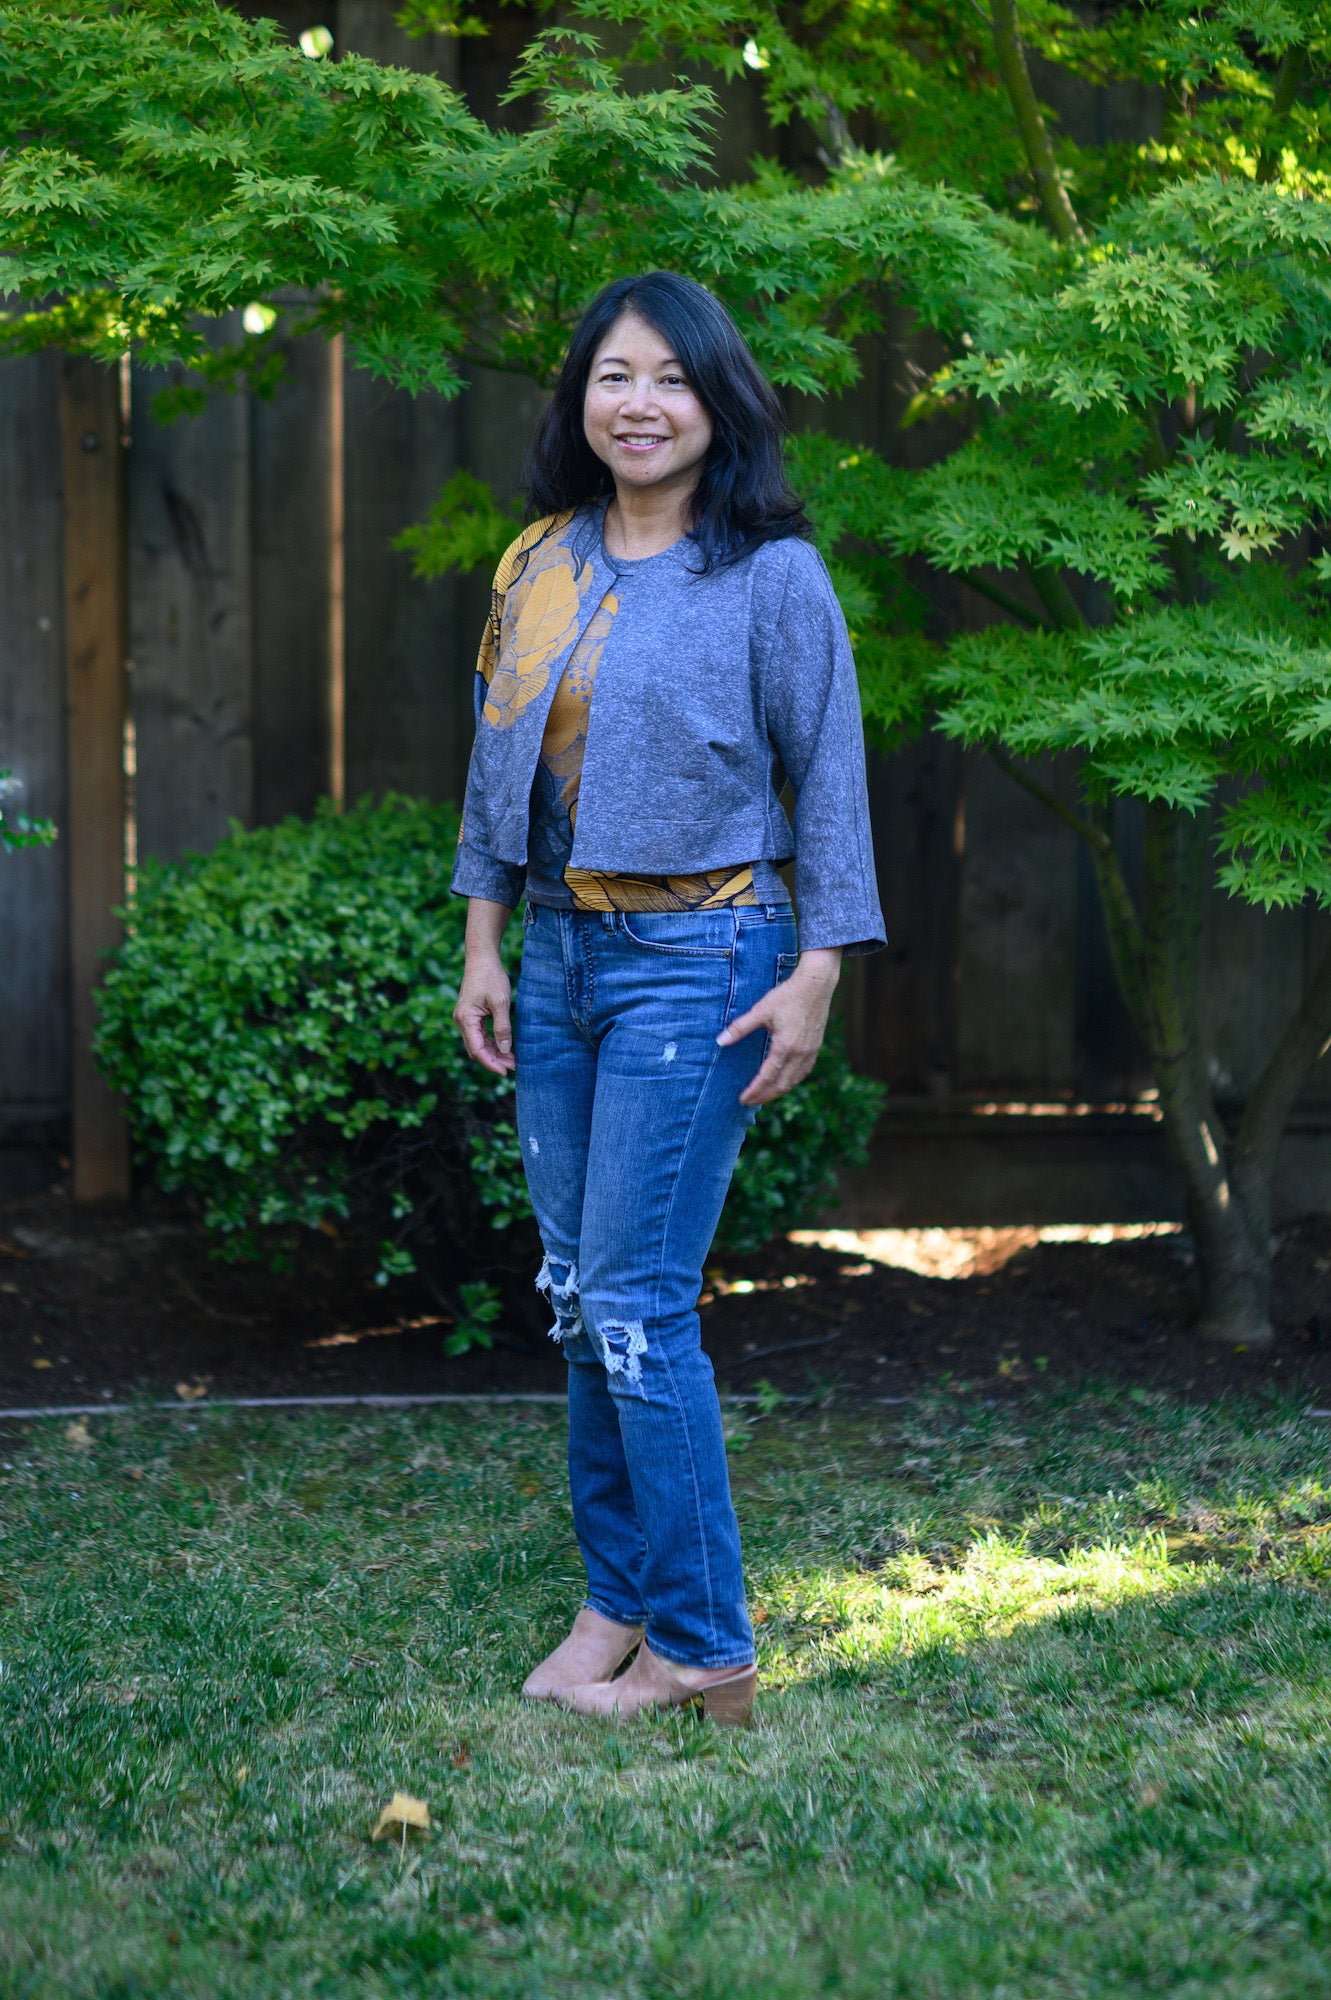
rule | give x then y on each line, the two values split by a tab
726	1693
592	1653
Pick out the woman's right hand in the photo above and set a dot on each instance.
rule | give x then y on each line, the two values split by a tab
484	1015
484	1012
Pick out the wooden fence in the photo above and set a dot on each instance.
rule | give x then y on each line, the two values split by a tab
277	643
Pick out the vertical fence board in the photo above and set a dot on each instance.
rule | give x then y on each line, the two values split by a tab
495	420
93	486
289	515
1318	1087
899	1002
34	966
1252	978
1016	971
370	28
402	665
190	621
406	728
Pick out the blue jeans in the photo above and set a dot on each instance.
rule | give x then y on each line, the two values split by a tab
630	1123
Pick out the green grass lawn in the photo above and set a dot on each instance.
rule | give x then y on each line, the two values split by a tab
1045	1713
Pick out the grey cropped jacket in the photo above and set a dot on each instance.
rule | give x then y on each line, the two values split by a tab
711	691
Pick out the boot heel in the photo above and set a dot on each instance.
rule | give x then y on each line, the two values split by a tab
730	1703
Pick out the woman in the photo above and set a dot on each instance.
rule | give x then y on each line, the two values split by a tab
664	651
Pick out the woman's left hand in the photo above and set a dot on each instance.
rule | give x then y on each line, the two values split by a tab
795	1016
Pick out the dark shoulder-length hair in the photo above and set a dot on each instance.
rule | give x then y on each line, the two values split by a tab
743	496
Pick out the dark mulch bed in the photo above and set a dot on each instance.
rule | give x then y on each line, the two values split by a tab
100	1306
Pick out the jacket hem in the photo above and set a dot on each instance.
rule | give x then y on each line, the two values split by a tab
493	881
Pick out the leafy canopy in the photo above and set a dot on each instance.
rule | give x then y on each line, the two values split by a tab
1240	85
166	159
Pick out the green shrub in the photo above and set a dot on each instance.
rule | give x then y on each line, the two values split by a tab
279	1018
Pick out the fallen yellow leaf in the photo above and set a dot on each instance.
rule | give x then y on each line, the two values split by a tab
403	1811
40	1361
78	1434
191	1392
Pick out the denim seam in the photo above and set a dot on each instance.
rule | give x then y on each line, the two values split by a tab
589	975
665	1359
712	952
567	941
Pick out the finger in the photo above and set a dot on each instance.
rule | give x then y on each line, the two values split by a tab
496	1055
472	1023
768	1081
501	1023
467	1022
782	1069
742	1025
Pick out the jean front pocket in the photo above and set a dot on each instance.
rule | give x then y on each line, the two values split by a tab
786	961
680	933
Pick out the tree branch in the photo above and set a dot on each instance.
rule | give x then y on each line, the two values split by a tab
1288	78
1006	602
1085	829
1286	89
1051	587
1054	199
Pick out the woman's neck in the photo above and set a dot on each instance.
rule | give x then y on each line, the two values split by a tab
640	523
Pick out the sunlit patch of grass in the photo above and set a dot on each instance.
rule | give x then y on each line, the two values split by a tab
1047	1695
816	1621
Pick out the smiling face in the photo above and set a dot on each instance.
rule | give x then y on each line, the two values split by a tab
640	414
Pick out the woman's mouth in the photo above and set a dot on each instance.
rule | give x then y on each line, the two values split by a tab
640	441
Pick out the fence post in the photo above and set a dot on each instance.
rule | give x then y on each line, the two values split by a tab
95	692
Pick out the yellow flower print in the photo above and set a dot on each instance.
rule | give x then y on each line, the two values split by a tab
565	737
544	605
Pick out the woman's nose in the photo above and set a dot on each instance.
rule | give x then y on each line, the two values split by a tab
641	399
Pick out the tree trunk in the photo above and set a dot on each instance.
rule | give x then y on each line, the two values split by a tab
1233	1268
1232	1244
1228	1178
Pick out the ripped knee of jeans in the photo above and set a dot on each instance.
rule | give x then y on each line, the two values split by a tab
622	1344
559	1281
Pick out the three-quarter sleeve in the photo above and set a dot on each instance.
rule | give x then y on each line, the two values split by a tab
812	705
476	872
